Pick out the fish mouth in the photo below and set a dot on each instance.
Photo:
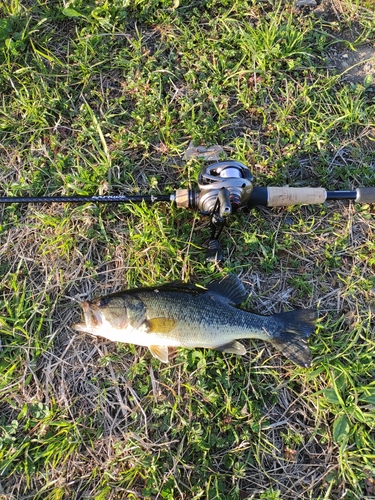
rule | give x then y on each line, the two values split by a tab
93	318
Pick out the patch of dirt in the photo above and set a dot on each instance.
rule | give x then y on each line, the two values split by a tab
355	66
353	60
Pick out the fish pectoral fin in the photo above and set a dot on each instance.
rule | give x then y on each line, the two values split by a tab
160	352
160	325
234	347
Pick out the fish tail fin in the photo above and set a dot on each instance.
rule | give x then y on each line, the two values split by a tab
297	327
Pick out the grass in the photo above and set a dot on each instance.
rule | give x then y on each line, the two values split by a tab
105	97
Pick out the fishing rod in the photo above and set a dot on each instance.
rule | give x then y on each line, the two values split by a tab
224	188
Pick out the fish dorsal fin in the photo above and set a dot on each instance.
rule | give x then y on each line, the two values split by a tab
232	348
160	325
160	352
230	288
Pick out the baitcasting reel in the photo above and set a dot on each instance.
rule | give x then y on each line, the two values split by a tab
224	187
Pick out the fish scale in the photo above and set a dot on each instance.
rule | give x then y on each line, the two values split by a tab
205	321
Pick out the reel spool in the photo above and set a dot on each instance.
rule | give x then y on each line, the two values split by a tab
225	186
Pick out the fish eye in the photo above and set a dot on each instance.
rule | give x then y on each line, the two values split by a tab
103	302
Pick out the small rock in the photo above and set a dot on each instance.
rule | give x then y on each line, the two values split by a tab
212	153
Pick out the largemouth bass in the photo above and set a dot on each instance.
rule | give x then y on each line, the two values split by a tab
183	315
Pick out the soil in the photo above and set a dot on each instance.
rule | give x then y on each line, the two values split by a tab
355	67
355	61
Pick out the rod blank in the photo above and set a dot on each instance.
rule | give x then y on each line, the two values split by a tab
86	199
184	198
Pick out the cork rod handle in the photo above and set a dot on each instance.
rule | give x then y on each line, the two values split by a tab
286	196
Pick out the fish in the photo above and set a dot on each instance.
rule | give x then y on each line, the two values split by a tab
192	316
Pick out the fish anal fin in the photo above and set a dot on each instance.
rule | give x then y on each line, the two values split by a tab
234	347
160	325
160	352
